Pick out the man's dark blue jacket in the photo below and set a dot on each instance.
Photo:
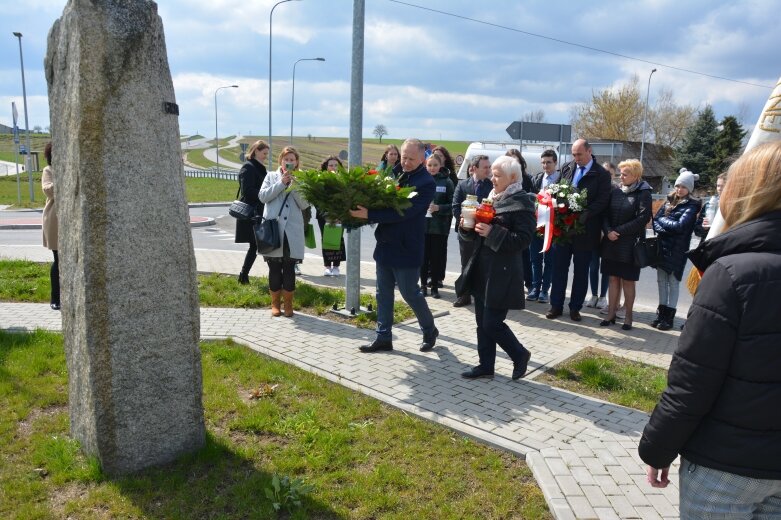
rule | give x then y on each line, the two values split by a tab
400	238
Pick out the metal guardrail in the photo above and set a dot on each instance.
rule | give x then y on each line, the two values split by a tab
212	173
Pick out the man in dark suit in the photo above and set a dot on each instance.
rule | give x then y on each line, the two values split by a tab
585	173
478	183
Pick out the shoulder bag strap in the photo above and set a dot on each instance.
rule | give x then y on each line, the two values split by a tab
283	205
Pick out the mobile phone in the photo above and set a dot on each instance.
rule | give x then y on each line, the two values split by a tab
289	167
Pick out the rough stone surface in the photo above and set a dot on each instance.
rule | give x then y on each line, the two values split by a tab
130	301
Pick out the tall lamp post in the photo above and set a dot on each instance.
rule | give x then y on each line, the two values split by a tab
293	96
27	161
270	15
645	115
216	132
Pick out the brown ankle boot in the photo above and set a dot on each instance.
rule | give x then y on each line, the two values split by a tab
275	301
288	298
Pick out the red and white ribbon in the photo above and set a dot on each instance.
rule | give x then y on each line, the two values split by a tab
545	218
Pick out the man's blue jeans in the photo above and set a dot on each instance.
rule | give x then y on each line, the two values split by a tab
407	280
562	255
542	265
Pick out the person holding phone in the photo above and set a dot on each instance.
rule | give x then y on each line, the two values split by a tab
287	207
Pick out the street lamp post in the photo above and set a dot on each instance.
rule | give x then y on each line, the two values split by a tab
293	95
216	132
27	161
645	115
270	15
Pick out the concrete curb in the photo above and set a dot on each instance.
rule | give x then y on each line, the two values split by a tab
194	223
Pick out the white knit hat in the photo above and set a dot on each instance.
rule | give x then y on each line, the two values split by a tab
686	179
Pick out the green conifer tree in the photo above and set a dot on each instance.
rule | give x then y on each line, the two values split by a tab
699	147
729	142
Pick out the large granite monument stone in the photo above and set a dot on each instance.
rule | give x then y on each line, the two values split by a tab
129	288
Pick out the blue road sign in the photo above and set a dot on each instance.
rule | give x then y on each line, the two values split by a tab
16	134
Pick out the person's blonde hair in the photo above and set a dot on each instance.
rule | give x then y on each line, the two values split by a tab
257	146
753	185
634	167
286	150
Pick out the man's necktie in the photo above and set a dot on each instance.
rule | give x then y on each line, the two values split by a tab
578	175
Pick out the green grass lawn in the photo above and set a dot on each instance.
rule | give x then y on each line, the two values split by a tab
25	281
8	191
362	459
210	190
611	378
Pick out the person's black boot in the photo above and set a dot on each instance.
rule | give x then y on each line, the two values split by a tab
435	293
660	310
429	340
378	345
243	278
667	321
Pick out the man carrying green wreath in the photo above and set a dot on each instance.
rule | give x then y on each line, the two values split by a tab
399	251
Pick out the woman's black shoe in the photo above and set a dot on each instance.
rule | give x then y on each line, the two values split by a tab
626	326
435	293
243	278
606	323
55	306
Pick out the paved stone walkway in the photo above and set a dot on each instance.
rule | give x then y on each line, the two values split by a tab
582	451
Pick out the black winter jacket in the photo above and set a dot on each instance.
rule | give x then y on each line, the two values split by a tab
722	405
675	234
251	178
598	185
627	215
494	273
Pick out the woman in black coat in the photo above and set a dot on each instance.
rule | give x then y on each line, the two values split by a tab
674	223
721	408
624	221
494	273
251	178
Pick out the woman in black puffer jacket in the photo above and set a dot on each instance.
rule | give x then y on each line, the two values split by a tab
674	223
721	408
624	221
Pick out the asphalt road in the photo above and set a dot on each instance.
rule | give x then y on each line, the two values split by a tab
220	236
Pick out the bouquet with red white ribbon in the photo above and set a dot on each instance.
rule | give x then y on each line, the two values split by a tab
558	213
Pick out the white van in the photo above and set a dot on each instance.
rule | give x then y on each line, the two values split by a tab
493	149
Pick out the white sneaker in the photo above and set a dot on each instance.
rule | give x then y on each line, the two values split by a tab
327	272
603	311
335	271
621	312
592	302
601	303
296	269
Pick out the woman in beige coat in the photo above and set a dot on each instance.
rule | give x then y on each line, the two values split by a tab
49	226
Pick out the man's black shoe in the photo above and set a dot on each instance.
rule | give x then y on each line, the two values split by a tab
377	345
429	341
475	372
553	313
575	316
463	301
519	369
435	293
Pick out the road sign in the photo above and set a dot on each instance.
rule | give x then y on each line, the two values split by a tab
22	149
459	159
16	134
244	147
527	131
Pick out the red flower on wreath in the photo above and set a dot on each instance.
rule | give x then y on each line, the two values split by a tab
570	219
371	172
562	209
556	232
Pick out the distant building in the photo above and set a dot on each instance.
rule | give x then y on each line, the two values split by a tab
6	129
658	162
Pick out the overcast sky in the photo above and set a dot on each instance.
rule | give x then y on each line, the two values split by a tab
428	74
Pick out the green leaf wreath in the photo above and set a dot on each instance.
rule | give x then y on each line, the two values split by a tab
334	194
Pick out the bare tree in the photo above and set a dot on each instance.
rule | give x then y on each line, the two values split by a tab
380	131
535	116
612	113
668	121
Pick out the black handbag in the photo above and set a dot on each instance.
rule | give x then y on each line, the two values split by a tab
646	251
267	235
241	210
